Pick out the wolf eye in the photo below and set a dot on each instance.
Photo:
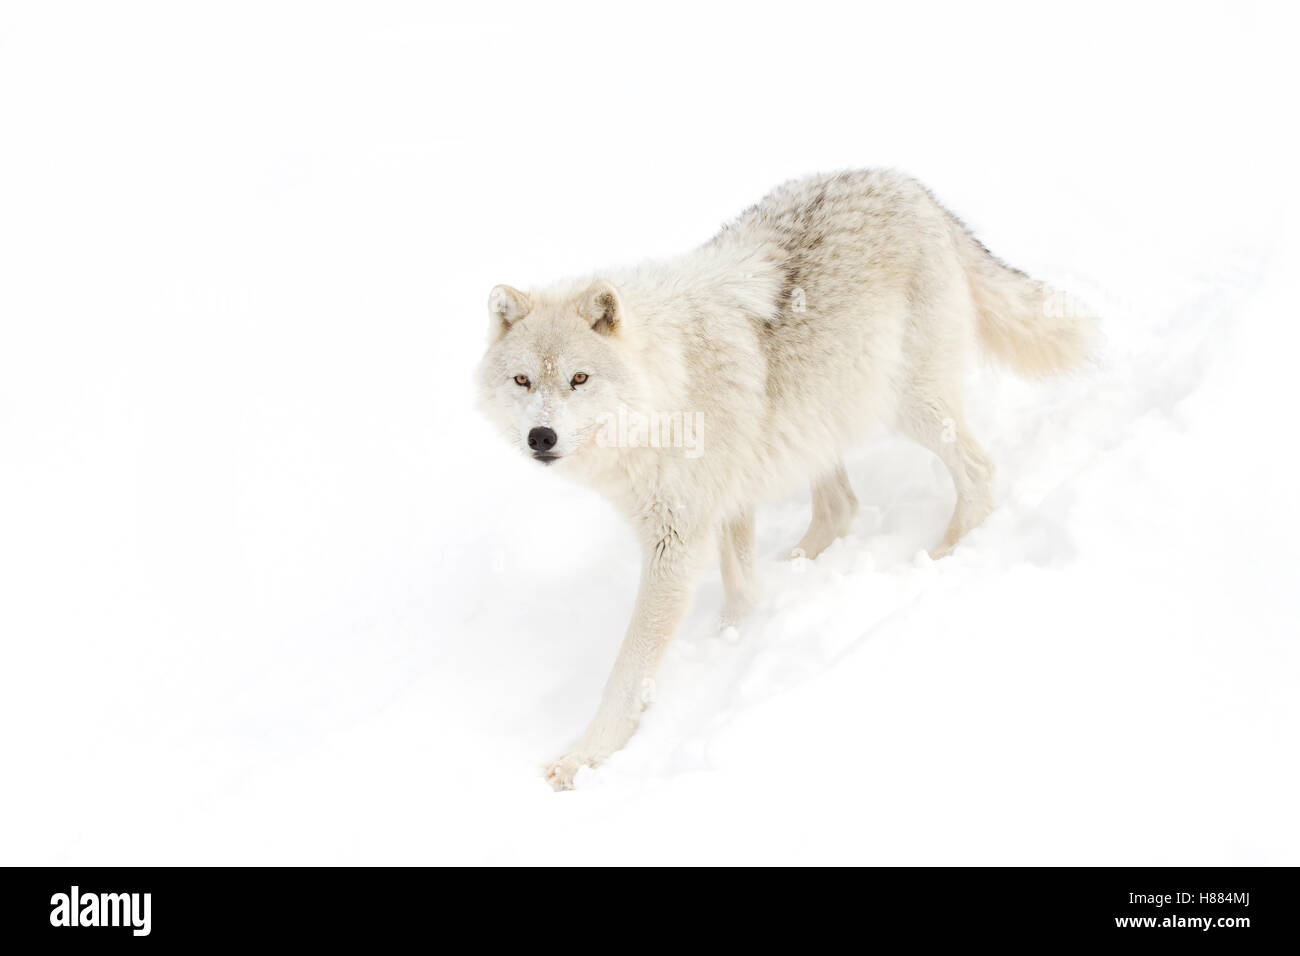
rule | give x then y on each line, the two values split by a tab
522	380
578	379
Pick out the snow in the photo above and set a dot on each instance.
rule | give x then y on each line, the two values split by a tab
273	592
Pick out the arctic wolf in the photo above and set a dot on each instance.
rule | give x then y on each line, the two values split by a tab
837	304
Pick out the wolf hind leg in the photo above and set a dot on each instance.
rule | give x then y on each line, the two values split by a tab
834	506
938	424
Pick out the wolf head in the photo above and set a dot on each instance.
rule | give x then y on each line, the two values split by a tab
556	367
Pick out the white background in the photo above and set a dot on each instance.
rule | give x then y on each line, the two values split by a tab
272	591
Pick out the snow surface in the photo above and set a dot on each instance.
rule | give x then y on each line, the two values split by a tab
272	591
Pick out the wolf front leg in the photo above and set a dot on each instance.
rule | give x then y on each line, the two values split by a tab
667	580
739	582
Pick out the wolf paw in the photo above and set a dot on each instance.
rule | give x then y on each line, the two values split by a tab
560	774
731	618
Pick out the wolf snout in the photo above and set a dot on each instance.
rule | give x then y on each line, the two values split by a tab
541	441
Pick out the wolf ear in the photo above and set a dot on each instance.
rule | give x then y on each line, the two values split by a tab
600	305
506	306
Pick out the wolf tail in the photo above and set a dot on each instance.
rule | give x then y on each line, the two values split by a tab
1028	326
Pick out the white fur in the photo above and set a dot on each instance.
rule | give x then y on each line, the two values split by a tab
837	305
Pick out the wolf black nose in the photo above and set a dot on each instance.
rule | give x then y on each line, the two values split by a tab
542	439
